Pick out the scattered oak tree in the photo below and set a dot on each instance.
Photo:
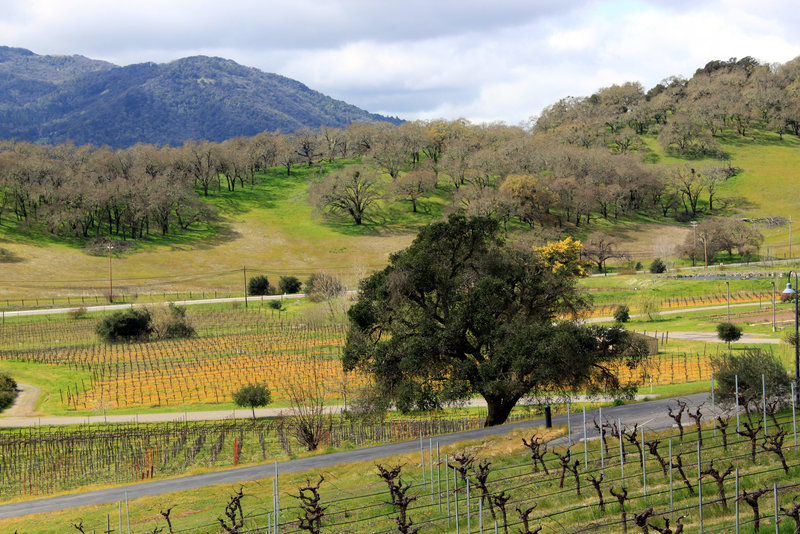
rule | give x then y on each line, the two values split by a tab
414	185
601	247
352	191
460	313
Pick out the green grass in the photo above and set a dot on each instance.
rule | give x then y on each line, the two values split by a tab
48	378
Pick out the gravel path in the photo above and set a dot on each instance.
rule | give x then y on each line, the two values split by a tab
25	404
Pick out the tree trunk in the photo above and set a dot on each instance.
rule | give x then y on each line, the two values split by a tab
499	407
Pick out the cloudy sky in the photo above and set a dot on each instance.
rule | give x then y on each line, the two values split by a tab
484	60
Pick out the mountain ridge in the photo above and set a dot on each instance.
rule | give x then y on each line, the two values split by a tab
53	99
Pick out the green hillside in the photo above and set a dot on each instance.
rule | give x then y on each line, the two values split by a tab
273	228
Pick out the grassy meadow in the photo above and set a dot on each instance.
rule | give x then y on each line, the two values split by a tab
272	228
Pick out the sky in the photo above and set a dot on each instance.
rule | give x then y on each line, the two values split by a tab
482	60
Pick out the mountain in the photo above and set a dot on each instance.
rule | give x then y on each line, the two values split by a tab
52	99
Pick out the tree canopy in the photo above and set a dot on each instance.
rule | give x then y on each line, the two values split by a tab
252	396
461	313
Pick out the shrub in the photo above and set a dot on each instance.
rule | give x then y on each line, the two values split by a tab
729	332
258	285
658	266
622	314
7	383
8	391
276	304
78	313
125	325
252	396
289	284
749	366
789	337
170	322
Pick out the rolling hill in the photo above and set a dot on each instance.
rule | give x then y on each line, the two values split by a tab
52	99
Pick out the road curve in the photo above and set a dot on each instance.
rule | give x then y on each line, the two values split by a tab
652	415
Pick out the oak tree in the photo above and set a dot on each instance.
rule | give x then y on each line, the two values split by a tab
461	313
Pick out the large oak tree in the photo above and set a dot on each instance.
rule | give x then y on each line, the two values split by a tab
462	313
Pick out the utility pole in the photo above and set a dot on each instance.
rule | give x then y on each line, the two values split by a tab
790	237
110	277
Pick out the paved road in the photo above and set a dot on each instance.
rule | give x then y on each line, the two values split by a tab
652	415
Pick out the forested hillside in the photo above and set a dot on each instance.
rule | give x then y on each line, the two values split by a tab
588	165
53	99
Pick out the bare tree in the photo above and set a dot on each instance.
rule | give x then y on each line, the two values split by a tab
750	432
306	143
691	185
572	467
601	247
677	463
652	445
165	515
666	530
353	192
391	152
308	420
722	424
414	185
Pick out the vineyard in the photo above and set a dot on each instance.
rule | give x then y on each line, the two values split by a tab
607	308
629	479
45	460
233	347
736	472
